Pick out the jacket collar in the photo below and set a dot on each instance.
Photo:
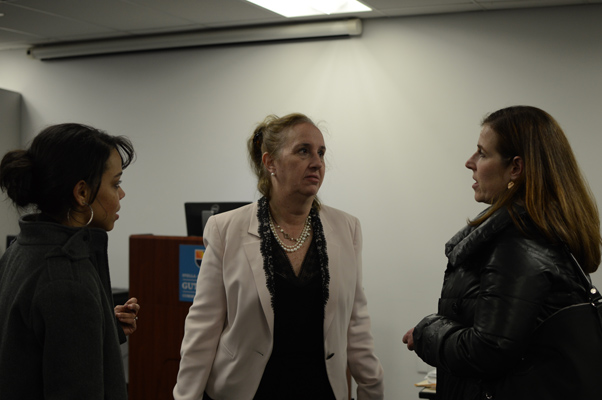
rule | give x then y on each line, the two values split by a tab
75	243
470	238
254	222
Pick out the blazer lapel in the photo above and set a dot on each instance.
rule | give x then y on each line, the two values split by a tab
333	256
256	264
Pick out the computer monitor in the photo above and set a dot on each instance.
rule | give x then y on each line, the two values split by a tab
197	214
9	239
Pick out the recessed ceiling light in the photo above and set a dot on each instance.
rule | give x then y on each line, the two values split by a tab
302	8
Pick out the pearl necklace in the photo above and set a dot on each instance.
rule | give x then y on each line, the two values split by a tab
298	242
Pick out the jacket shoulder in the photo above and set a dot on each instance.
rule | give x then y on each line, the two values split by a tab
236	214
527	244
233	223
334	214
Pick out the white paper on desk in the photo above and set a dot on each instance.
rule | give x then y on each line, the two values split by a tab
431	377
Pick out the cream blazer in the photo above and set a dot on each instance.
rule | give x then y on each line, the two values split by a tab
229	329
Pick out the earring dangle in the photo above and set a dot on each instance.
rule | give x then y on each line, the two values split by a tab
91	214
69	216
510	185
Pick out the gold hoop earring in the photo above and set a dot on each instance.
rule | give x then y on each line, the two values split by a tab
510	185
91	215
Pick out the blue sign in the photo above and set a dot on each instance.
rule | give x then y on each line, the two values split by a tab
191	256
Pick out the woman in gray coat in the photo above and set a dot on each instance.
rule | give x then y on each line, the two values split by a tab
59	336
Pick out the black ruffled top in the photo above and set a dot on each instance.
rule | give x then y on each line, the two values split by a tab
297	367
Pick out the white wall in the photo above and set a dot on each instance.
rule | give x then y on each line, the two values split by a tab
400	106
10	113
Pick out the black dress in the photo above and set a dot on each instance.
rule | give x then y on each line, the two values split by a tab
297	367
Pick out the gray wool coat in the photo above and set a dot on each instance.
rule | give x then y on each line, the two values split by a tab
58	333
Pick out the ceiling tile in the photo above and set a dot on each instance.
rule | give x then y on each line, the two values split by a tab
111	14
43	24
413	3
489	4
211	11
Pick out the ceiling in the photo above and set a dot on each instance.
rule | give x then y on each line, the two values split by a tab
24	23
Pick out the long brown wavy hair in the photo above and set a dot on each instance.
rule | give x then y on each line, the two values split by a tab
555	194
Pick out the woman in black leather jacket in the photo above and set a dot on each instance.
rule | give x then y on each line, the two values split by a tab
509	268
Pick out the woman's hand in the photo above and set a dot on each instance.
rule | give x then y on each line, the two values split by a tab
127	315
408	339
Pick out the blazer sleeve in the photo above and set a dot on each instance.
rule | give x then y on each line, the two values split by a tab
363	363
205	320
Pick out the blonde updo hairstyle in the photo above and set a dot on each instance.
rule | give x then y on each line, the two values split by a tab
271	136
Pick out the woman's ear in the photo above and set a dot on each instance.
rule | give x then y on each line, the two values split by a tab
268	162
81	193
517	167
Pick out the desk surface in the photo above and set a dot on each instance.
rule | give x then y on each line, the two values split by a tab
427	393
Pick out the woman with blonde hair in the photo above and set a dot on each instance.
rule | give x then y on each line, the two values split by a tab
279	311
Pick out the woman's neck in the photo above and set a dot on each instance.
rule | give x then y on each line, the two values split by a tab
290	212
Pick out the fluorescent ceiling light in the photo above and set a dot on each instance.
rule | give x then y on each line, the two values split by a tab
302	8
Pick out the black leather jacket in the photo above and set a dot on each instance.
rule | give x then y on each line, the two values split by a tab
500	284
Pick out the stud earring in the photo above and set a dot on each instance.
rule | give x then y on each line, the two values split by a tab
273	174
